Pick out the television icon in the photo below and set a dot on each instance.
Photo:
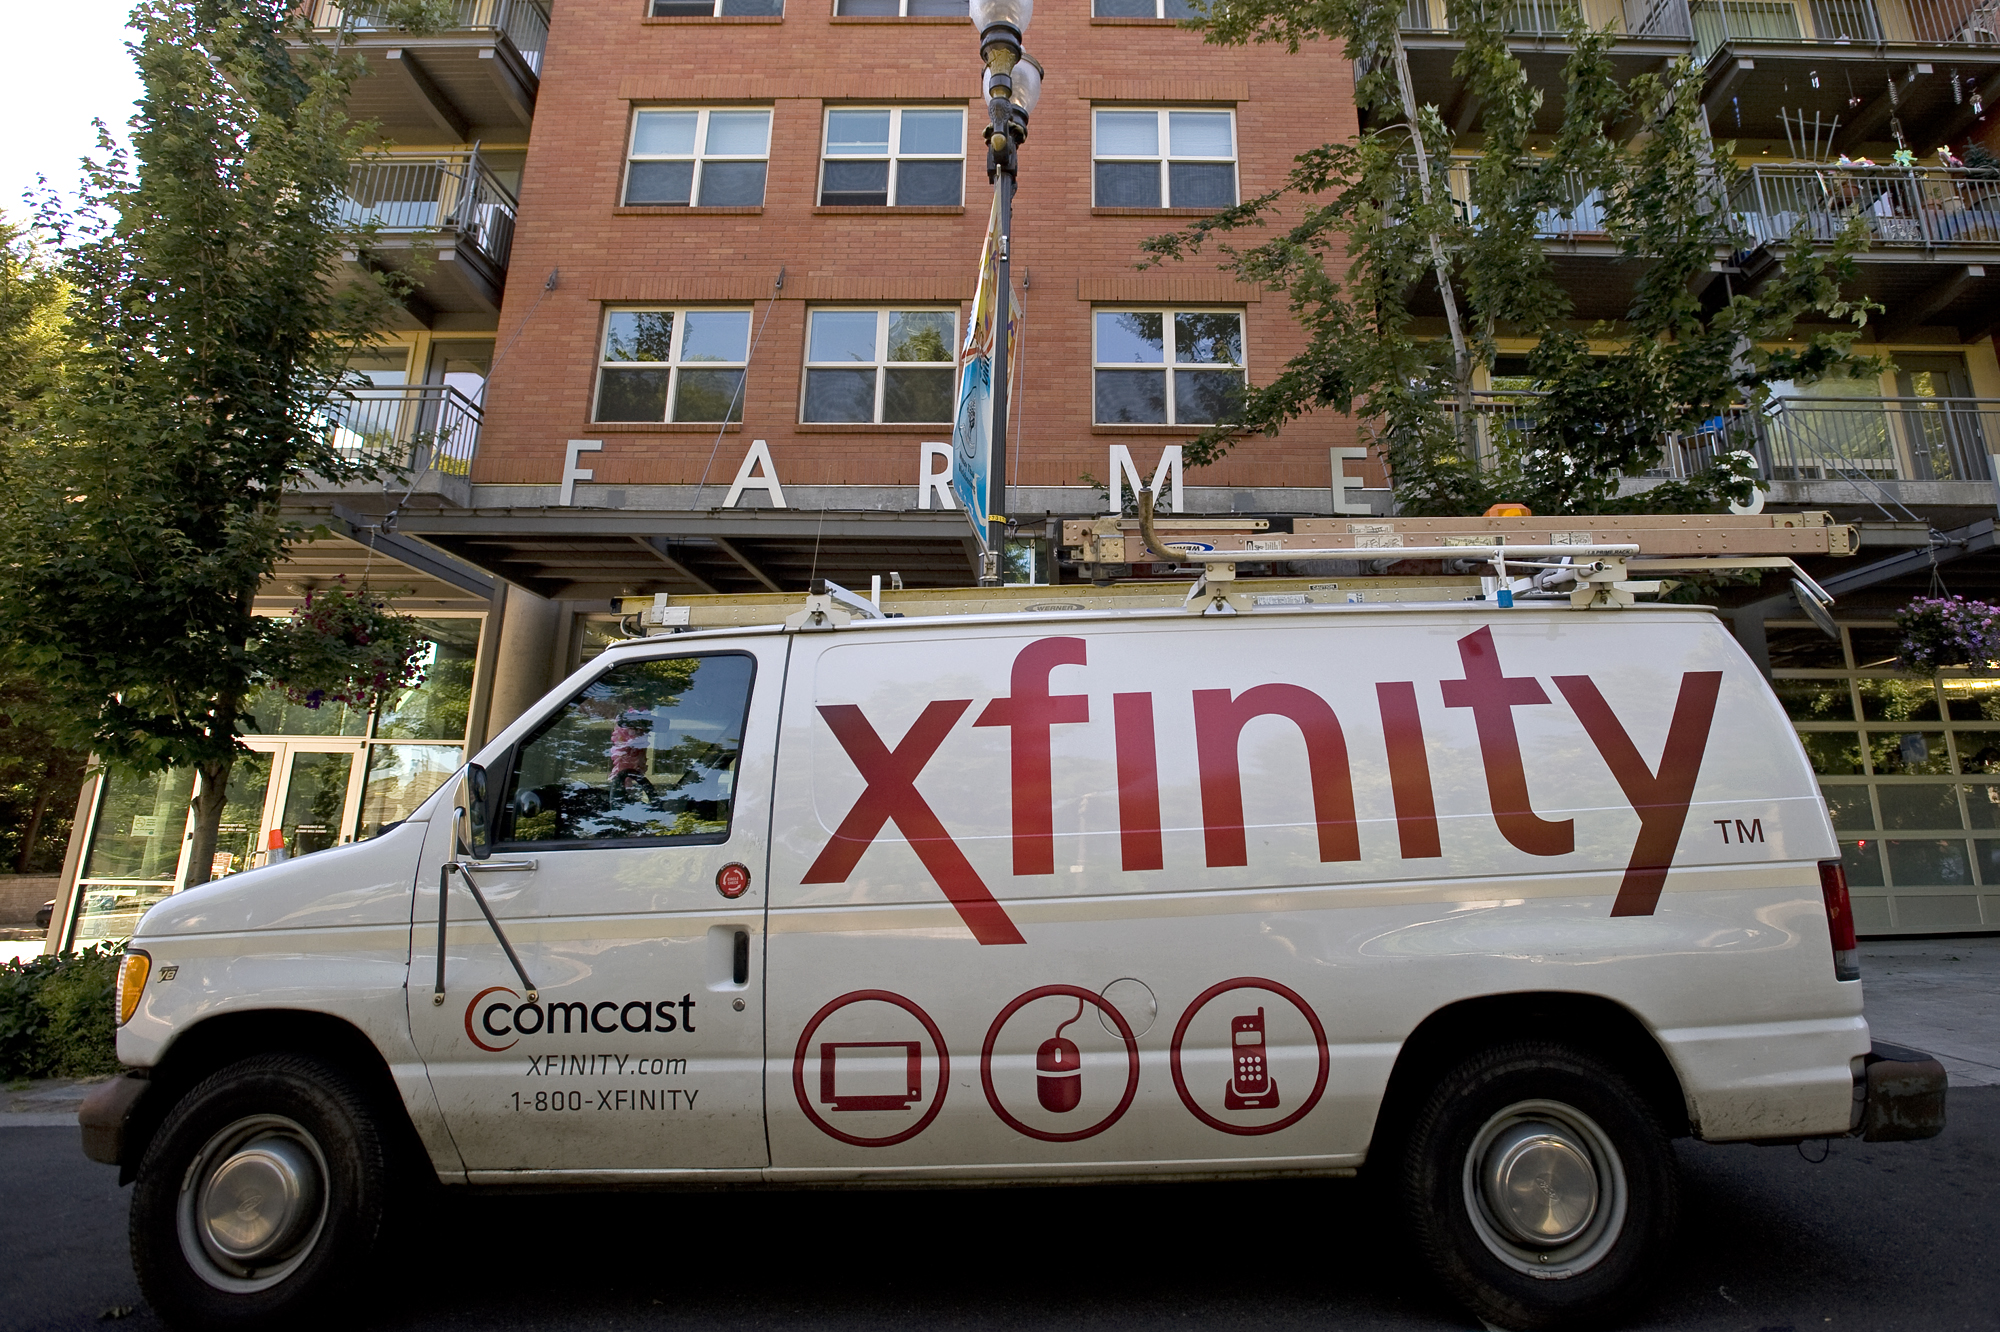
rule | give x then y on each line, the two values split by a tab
870	1075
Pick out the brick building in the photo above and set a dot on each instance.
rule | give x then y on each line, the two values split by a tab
662	231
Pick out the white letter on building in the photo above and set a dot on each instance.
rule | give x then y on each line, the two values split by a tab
572	473
747	478
1342	482
934	477
1123	469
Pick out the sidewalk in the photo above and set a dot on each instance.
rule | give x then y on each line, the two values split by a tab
1941	996
44	1102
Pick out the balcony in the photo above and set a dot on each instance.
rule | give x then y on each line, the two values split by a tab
474	79
426	433
1931	63
1651	32
1878	439
446	207
1858	454
1933	234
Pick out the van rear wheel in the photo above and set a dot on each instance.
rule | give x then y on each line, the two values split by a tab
262	1189
1540	1186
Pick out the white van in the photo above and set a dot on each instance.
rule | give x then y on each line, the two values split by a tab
1496	901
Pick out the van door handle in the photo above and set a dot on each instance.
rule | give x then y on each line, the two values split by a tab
740	958
498	866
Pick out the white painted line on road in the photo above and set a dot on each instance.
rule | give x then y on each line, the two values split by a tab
39	1120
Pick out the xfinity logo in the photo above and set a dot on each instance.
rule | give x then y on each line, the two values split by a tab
503	1018
1659	791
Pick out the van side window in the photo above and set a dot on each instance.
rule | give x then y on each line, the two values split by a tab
647	752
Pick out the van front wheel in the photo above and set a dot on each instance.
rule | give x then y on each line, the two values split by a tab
262	1188
1540	1186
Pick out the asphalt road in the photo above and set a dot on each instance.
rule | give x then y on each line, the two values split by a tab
1881	1236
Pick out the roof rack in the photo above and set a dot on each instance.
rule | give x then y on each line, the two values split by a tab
1587	562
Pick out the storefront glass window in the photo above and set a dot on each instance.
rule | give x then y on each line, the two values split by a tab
134	852
274	716
315	801
242	814
437	708
401	777
1892	769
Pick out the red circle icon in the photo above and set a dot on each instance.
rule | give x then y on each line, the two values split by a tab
805	1043
733	880
1131	1059
1319	1037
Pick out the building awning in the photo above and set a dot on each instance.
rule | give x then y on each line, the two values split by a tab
584	554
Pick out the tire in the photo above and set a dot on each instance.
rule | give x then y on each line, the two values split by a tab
274	1125
1540	1187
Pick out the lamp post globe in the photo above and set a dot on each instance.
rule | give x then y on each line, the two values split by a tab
1001	23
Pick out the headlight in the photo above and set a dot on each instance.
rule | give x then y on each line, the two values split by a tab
132	970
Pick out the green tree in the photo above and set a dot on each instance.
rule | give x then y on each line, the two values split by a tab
37	770
1359	232
210	325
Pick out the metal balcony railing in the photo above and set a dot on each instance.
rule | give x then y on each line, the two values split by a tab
1554	18
1792	439
1584	218
1844	22
1878	439
1508	421
405	194
525	23
416	427
1929	207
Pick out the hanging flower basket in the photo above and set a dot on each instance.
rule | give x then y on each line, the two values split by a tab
344	645
1947	631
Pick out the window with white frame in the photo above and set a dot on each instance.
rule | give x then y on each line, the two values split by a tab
880	365
1173	9
1166	367
673	365
717	8
1164	158
898	156
713	158
901	8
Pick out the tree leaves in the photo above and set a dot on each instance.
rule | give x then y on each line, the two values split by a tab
1347	240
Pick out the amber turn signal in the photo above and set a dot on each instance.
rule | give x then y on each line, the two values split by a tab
132	970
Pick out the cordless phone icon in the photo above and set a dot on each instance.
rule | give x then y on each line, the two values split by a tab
1251	1088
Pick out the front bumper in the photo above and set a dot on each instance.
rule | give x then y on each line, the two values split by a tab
1898	1095
105	1115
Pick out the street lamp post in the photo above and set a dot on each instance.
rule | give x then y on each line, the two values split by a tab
1012	85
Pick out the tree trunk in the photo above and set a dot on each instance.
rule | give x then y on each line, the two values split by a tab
210	796
204	828
33	831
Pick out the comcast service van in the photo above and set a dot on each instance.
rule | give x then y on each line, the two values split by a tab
1495	900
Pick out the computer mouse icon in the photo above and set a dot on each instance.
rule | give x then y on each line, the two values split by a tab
1059	1071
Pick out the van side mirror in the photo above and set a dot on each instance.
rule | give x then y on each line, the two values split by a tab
479	834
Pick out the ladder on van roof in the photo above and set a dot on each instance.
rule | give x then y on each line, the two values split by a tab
1602	561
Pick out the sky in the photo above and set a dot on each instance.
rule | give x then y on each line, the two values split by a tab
66	66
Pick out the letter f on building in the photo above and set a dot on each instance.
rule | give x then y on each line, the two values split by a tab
1031	711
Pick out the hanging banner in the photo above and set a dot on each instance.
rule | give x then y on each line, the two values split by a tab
972	427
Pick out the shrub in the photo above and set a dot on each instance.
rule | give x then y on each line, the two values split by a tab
55	1015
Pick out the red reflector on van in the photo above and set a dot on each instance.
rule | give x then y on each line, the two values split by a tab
1840	920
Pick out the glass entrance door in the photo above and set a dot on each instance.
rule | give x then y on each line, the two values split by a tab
306	791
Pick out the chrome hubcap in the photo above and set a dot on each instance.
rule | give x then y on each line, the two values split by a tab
1545	1189
258	1201
1540	1184
252	1204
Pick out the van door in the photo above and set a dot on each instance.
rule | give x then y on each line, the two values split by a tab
629	834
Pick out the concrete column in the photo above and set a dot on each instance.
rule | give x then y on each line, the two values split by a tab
522	664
